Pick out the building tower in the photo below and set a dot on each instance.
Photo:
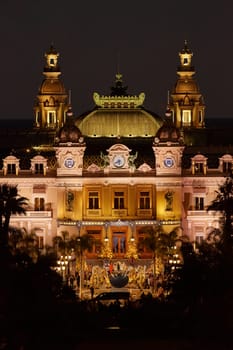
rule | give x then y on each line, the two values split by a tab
168	148
52	99
186	101
70	148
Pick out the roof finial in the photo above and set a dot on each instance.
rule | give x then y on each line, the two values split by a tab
168	112
69	98
118	62
168	97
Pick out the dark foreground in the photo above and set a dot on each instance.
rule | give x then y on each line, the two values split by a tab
87	325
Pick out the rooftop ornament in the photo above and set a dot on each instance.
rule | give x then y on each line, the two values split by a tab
119	101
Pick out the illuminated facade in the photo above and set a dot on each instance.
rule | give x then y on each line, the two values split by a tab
114	170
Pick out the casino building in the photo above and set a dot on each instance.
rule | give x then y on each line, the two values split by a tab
118	168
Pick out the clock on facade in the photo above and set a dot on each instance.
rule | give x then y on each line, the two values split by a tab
168	162
69	163
118	161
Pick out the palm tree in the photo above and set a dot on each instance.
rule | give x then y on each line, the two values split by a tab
23	245
81	244
152	241
10	203
62	243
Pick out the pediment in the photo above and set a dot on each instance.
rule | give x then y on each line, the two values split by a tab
118	147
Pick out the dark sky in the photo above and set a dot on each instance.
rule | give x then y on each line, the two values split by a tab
92	36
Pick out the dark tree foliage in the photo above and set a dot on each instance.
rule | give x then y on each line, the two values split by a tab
10	203
223	203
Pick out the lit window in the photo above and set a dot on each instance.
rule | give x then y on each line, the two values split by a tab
199	168
39	204
144	200
51	117
39	168
199	203
93	200
118	242
118	200
186	117
11	168
226	167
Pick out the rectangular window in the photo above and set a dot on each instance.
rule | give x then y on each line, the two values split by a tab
39	168
186	118
199	203
118	242
93	200
119	200
227	167
39	204
51	117
144	200
11	168
199	168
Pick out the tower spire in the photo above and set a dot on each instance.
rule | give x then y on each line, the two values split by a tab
186	101
69	97
52	98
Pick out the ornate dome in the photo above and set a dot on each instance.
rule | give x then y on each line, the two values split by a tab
52	86
119	122
186	86
168	131
119	115
69	132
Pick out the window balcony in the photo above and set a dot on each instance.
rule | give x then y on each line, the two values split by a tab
144	213
119	212
93	212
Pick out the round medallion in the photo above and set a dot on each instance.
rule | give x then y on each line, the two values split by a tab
168	162
118	161
69	163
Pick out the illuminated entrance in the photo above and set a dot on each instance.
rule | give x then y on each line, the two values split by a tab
119	243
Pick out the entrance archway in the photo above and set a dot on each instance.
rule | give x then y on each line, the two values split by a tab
119	242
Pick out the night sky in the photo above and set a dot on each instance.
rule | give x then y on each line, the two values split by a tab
142	38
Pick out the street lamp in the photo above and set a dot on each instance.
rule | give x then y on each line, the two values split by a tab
174	261
106	224
63	266
132	226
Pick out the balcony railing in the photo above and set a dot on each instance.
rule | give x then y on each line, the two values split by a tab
39	214
144	213
203	213
94	212
119	212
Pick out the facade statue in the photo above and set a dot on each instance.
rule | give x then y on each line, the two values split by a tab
105	159
131	160
69	200
169	200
